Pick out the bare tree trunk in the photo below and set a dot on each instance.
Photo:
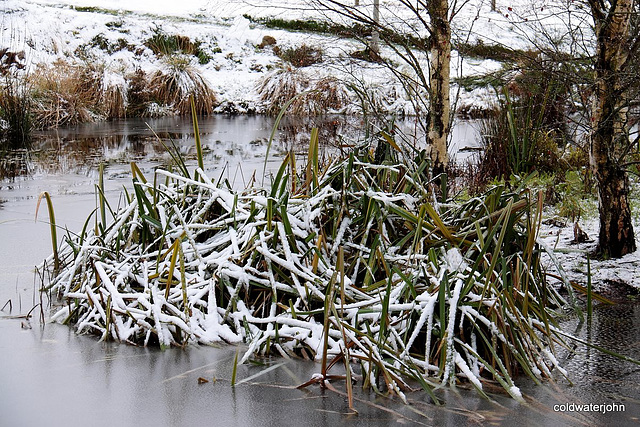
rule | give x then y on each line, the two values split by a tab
493	5
375	36
609	136
439	72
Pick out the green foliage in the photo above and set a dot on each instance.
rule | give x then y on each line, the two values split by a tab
95	9
576	199
309	25
52	225
115	24
490	80
518	139
356	31
101	42
528	129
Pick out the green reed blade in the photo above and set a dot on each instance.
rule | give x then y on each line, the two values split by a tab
52	226
234	371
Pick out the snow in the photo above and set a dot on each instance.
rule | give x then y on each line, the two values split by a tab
467	372
451	353
515	393
67	30
572	257
455	261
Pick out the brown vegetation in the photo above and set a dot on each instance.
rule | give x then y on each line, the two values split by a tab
68	94
65	94
309	97
177	83
301	56
139	95
267	41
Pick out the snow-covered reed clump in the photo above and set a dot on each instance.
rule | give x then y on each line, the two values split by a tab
354	260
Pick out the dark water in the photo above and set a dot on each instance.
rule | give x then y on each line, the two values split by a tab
49	376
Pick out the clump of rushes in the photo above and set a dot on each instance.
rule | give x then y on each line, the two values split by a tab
351	260
15	115
163	44
177	82
310	96
301	56
68	94
15	105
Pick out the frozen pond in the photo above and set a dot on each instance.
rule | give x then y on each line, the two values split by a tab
50	376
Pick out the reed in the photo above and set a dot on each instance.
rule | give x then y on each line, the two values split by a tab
518	139
234	371
351	260
281	87
15	104
196	130
68	94
52	226
15	114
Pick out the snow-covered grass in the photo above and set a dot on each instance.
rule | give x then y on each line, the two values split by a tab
113	36
356	255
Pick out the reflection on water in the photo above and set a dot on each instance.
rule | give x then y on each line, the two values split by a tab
617	329
599	378
80	149
225	139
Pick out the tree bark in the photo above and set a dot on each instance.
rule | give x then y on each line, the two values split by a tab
609	136
439	73
375	36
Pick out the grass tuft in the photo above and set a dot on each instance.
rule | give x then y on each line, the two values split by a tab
311	97
301	56
179	81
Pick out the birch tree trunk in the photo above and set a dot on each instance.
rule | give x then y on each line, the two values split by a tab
375	36
439	71
609	119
